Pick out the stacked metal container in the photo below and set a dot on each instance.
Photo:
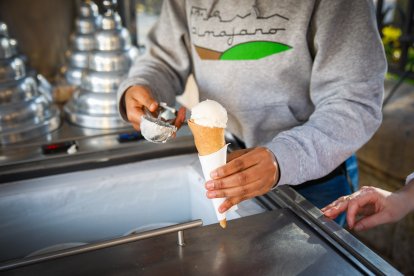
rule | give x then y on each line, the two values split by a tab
94	104
26	109
82	42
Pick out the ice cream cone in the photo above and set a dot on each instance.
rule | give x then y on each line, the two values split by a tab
207	139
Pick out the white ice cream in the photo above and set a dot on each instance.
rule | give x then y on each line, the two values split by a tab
209	113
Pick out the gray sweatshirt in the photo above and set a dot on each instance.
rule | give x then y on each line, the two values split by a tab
301	77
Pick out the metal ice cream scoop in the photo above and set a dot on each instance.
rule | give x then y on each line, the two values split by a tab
158	129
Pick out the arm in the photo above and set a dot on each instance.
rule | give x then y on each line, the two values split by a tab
374	205
346	88
162	72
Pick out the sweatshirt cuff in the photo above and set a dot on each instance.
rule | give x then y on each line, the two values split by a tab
287	161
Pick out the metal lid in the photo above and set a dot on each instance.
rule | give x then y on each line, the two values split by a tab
18	91
88	9
73	75
12	69
102	82
82	42
79	59
34	110
111	35
88	102
29	130
110	21
85	25
93	121
107	61
112	40
8	47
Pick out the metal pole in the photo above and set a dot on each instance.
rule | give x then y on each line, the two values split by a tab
91	247
181	238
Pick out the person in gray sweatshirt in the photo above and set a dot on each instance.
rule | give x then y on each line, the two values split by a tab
302	82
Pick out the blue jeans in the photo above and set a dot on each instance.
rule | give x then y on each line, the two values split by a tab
352	170
322	193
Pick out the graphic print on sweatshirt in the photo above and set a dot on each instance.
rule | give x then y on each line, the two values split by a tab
225	33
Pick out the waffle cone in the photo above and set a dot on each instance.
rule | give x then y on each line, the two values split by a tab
207	139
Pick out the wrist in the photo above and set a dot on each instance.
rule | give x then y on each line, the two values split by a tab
407	197
277	170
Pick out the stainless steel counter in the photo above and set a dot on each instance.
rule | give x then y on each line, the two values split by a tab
291	239
96	148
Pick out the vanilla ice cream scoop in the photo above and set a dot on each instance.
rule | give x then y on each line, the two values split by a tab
209	113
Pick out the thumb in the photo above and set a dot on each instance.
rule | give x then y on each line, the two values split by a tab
179	120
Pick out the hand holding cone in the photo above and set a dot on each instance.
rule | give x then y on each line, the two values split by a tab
206	124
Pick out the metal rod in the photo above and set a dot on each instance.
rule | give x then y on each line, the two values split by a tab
181	238
105	244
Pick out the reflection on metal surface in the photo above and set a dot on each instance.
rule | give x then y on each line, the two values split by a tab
18	91
82	42
30	130
12	69
101	245
158	129
181	241
272	243
366	259
26	109
110	56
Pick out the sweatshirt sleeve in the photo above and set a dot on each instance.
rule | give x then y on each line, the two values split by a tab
165	66
346	88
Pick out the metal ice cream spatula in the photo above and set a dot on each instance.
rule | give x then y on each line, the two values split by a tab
158	129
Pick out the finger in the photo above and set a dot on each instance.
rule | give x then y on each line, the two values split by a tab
146	100
136	127
235	180
179	120
231	201
237	153
357	204
332	204
234	191
238	164
336	209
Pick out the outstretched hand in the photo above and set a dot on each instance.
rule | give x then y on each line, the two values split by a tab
374	206
248	173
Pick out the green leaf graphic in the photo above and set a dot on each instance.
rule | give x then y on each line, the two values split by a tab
254	50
